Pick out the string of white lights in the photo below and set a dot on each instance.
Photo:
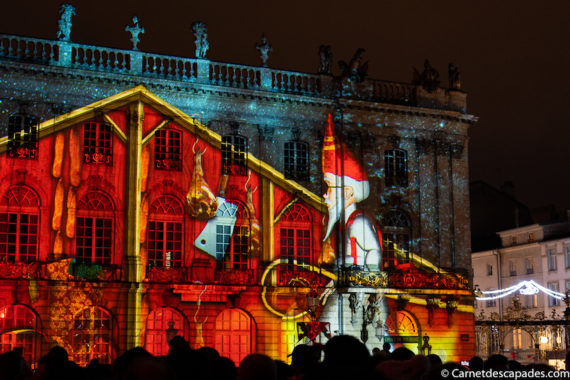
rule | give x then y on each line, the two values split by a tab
527	287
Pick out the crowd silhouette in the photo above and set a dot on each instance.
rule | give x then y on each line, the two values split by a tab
342	357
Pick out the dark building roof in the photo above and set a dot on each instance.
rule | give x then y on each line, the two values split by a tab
494	210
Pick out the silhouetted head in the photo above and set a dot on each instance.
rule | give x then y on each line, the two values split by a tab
497	361
386	347
257	367
434	360
476	363
402	353
346	357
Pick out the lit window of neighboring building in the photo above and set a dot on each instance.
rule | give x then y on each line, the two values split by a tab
512	268
296	160
567	284
551	259
162	325
92	336
396	167
551	300
567	256
97	143
94	231
19	225
14	319
22	137
295	238
531	300
489	270
529	265
491	303
234	155
396	235
168	150
165	232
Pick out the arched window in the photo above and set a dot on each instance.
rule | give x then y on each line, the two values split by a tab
296	160
92	336
396	167
165	232
234	334
19	225
396	235
401	323
162	325
94	236
22	136
295	238
19	327
233	243
168	149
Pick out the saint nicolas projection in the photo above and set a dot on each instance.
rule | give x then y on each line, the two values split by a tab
243	208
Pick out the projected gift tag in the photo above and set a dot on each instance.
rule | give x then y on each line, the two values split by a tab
215	237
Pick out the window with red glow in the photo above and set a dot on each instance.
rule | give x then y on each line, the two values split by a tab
97	143
396	235
236	256
19	225
234	332
295	238
92	336
19	327
168	150
22	137
165	233
94	231
162	325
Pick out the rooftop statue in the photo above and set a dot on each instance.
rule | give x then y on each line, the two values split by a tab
264	50
453	76
355	70
428	79
135	30
66	11
201	33
325	52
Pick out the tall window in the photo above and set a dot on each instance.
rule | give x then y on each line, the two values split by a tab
19	327
551	300
531	300
297	160
22	137
162	325
295	238
168	150
551	257
529	265
234	334
489	270
567	256
396	167
94	234
234	155
92	336
232	237
396	235
512	268
19	225
97	143
165	232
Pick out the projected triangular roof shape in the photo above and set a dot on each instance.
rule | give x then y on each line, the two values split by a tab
140	95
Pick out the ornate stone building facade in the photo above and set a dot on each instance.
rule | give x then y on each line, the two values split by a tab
262	129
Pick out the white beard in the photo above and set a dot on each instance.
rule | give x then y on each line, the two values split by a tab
334	213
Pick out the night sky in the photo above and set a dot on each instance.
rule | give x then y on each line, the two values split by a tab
514	58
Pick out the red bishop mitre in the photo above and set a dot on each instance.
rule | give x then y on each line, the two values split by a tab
339	161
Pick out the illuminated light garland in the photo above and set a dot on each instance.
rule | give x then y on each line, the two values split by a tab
524	288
